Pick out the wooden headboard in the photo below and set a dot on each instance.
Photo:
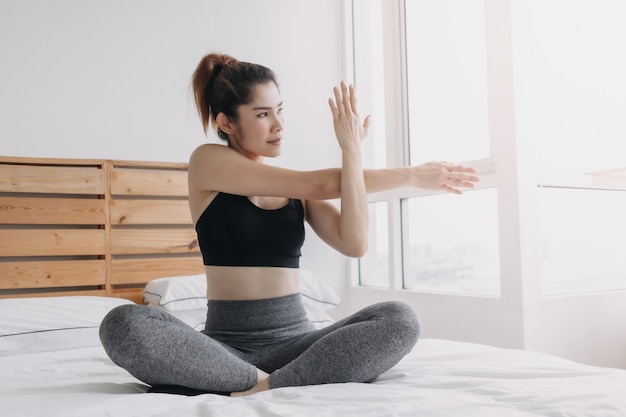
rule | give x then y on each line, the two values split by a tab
92	227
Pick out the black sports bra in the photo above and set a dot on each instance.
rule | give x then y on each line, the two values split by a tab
232	231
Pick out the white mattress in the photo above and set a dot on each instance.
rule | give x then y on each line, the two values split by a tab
52	364
439	378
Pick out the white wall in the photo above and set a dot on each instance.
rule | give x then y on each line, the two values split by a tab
110	79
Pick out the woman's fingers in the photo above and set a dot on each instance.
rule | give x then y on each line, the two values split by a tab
333	108
460	173
366	126
348	126
456	167
353	100
346	96
338	103
452	190
345	99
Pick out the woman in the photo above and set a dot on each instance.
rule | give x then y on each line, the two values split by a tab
250	223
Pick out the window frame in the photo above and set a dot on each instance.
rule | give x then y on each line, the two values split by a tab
516	179
396	125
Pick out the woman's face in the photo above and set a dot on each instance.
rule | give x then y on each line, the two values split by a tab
259	129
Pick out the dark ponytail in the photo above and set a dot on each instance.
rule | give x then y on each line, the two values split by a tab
222	83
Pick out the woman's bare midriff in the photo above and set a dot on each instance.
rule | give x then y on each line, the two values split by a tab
250	282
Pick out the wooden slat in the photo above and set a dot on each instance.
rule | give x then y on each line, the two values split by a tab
100	293
150	212
28	210
124	223
52	179
133	294
49	274
157	241
136	271
145	182
51	161
52	242
117	164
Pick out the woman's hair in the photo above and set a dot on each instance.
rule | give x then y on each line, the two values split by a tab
222	83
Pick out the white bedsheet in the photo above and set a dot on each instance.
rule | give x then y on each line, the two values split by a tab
439	378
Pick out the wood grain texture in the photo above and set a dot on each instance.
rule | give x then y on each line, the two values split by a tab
153	241
133	294
52	242
154	212
28	210
146	182
52	179
93	227
52	274
63	293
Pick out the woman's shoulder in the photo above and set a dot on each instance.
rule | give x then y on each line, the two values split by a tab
208	152
207	149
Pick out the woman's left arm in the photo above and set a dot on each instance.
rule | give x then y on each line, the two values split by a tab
346	229
442	176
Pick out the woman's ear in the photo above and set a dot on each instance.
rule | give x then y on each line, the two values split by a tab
224	124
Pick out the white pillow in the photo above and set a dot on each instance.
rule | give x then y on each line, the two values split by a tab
189	293
177	293
43	324
318	297
194	317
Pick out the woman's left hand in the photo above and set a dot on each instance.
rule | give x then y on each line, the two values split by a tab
348	128
443	176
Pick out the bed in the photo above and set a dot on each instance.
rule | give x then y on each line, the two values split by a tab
79	237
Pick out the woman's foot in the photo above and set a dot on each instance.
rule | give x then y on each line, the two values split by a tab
263	384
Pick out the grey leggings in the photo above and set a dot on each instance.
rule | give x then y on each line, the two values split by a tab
273	335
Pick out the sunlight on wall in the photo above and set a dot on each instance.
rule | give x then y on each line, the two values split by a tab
570	61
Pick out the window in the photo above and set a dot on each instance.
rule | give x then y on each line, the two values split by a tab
571	101
447	81
448	249
368	50
446	119
428	69
570	87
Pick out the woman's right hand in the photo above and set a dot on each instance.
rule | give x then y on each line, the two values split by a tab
346	121
443	176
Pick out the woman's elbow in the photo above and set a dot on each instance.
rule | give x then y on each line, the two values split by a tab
356	249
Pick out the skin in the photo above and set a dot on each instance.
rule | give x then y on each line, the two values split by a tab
257	133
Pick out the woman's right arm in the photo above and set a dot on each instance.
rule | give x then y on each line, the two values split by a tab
214	167
346	229
439	176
